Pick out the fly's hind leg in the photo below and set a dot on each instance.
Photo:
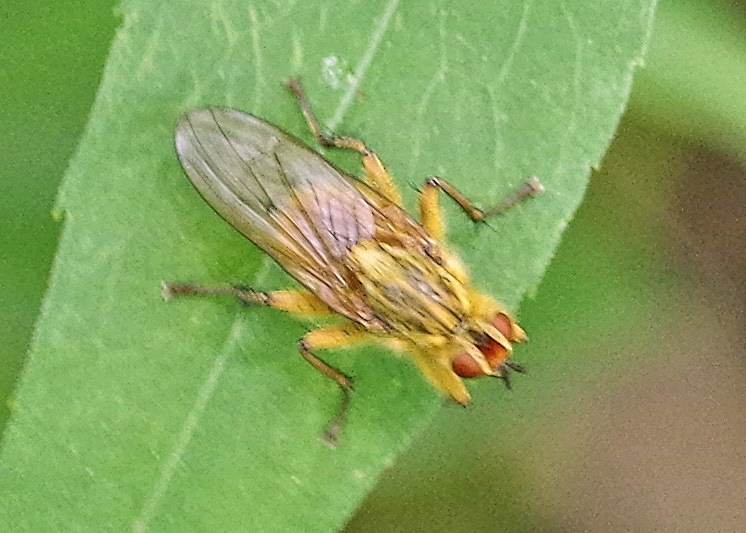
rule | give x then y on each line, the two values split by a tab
375	172
298	302
302	303
336	336
430	213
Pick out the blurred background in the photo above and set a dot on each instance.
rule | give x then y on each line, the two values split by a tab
648	285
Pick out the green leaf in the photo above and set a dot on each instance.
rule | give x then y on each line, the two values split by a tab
133	413
52	63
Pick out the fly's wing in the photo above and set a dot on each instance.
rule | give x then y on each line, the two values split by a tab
283	196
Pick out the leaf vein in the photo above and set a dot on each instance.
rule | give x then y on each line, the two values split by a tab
508	63
158	491
257	52
205	392
364	63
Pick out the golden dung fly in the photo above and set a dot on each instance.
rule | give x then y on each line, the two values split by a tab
352	247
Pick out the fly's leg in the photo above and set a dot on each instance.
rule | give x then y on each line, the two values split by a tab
375	172
301	303
430	213
335	336
293	301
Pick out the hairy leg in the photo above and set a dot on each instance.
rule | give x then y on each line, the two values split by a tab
375	172
336	336
298	302
430	212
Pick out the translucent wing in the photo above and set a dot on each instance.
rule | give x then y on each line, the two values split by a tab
284	197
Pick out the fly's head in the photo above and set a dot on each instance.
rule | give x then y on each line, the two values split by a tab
487	346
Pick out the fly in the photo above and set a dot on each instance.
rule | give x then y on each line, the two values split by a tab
358	255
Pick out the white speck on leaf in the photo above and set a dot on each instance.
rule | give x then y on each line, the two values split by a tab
335	72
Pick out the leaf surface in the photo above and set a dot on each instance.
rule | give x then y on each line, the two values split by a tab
197	414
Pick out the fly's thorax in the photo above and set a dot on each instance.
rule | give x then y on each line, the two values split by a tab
408	289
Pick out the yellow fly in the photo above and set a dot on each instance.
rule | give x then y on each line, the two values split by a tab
356	252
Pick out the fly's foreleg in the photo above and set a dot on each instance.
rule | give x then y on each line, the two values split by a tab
335	336
375	172
293	301
430	213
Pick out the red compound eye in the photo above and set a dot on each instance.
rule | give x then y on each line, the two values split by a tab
503	325
466	366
